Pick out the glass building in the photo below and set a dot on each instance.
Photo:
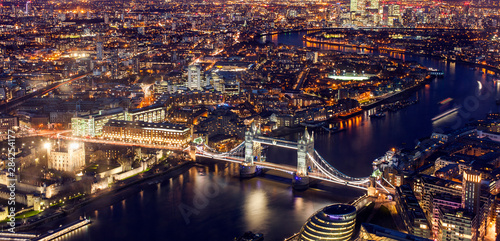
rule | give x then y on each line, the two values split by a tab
334	222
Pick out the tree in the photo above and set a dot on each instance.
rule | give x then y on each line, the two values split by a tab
125	162
138	154
99	155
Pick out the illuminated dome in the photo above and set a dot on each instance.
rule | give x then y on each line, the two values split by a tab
334	222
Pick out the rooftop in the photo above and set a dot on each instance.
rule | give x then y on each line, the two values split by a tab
142	124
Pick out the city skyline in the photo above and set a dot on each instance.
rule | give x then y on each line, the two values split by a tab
250	120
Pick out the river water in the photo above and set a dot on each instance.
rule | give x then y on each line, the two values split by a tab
212	203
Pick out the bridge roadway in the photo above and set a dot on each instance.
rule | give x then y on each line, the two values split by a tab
360	184
280	167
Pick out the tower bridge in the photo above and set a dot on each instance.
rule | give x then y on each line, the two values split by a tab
310	164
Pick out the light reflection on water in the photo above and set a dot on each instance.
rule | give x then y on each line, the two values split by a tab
353	150
269	205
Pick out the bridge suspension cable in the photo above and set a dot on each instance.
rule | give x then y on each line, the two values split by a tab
230	152
325	171
334	172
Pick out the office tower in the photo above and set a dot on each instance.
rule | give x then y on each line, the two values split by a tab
354	5
194	77
28	8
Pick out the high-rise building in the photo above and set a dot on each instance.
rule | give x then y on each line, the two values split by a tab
455	224
471	190
385	14
354	5
394	10
194	77
441	200
99	49
28	8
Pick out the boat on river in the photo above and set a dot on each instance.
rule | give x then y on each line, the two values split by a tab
378	115
445	101
250	236
449	112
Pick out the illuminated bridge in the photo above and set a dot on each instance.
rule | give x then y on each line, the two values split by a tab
310	164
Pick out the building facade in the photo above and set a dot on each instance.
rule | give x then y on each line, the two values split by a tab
147	133
70	159
92	125
334	222
412	214
194	77
7	122
471	191
455	224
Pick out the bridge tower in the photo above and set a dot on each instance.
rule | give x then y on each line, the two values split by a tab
305	148
253	152
372	189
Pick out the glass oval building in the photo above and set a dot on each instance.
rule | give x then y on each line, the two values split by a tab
334	222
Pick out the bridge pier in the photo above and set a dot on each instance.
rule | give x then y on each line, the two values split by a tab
372	189
300	182
248	171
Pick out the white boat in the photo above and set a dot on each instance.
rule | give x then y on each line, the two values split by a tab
445	114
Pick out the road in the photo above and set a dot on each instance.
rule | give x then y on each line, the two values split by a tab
119	143
17	101
300	79
38	133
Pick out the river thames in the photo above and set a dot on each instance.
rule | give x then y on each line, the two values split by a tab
212	203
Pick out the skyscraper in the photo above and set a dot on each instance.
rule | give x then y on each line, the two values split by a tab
194	77
354	5
471	189
28	8
99	49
